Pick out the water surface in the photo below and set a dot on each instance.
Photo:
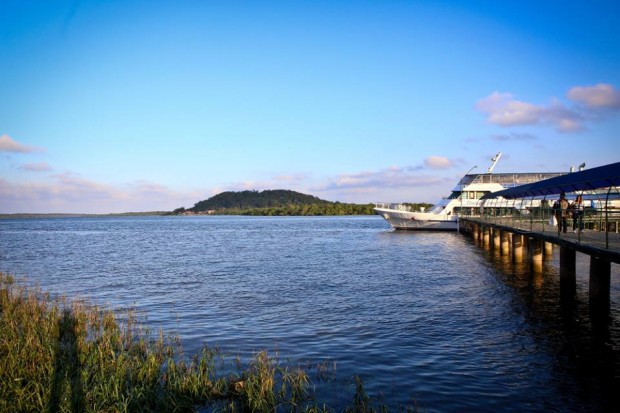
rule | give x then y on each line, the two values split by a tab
429	316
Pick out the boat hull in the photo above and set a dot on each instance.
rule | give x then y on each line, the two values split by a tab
418	221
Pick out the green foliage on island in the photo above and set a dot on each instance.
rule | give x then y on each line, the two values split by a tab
255	199
335	208
278	202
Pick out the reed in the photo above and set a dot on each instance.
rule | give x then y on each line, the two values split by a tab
58	355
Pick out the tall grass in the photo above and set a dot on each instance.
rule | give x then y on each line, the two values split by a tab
64	356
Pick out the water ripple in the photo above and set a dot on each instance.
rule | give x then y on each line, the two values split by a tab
423	315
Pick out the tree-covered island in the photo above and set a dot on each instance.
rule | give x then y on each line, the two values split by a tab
278	202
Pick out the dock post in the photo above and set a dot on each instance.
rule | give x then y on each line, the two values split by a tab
535	252
548	250
568	279
486	235
600	271
475	232
517	247
496	238
505	242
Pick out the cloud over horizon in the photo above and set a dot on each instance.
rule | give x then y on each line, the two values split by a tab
504	110
36	167
595	97
372	181
70	193
7	144
514	137
393	184
438	162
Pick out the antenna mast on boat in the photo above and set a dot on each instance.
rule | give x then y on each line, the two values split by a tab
494	159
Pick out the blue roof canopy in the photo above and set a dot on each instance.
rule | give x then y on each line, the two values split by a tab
590	179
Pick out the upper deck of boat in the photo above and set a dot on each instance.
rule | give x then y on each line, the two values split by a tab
508	180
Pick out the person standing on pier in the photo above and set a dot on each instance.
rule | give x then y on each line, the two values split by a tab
557	213
562	221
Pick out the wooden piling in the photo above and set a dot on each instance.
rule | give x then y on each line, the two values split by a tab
517	247
486	236
600	272
535	251
505	241
548	250
568	280
496	239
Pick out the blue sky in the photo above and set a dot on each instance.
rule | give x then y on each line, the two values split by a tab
123	105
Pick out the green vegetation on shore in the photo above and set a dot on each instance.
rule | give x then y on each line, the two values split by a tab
278	202
64	356
335	208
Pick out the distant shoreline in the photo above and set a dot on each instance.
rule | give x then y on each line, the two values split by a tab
138	214
71	215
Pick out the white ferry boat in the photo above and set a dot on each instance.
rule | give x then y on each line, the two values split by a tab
465	199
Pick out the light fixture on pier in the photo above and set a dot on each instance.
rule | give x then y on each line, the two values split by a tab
582	166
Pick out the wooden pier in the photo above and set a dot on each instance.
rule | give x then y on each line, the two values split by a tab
534	242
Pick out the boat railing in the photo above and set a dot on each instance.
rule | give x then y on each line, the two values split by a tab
394	206
507	180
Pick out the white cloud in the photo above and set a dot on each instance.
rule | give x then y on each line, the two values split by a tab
438	162
590	103
36	167
514	137
9	145
372	181
503	110
393	184
596	97
71	193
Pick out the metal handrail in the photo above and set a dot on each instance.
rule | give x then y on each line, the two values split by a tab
537	220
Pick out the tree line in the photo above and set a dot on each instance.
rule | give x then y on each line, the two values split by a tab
335	208
277	202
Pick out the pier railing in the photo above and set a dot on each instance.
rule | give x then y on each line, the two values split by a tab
596	227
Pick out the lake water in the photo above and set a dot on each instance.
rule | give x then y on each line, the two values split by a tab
429	316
